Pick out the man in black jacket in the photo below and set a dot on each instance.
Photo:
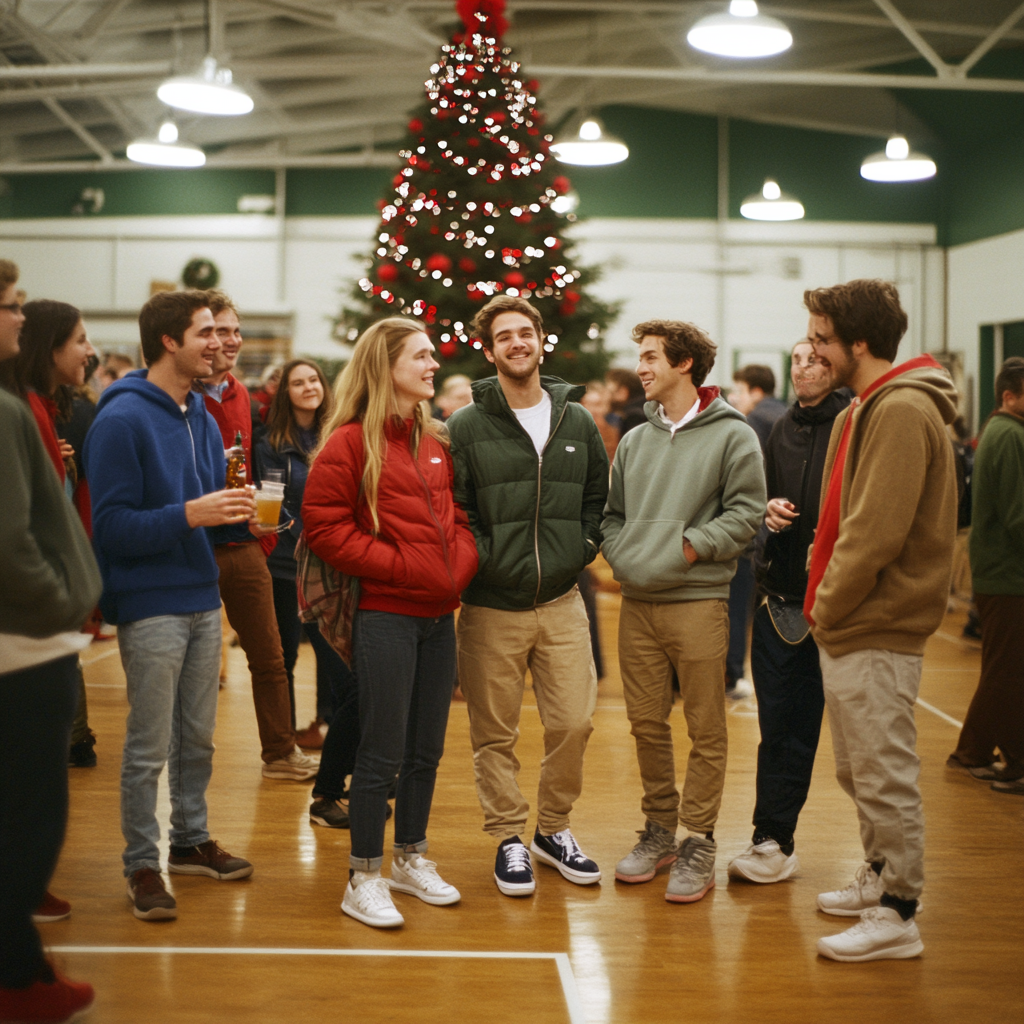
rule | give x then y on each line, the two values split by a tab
783	654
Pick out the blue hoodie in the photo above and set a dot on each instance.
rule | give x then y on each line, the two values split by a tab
144	458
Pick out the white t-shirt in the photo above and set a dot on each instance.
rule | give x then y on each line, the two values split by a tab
691	414
536	421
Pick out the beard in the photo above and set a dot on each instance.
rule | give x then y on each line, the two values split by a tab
843	373
520	370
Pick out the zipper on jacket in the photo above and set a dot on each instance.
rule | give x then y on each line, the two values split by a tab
437	523
536	515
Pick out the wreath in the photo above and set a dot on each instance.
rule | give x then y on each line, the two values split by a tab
200	273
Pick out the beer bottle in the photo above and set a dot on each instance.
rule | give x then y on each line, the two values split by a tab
236	473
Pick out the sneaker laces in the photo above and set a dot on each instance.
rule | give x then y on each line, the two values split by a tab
424	873
517	858
650	841
373	894
567	842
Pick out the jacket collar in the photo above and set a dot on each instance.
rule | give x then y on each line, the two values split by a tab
489	396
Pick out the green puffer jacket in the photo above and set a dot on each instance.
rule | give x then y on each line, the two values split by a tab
537	520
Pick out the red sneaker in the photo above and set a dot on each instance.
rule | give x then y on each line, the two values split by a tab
51	909
46	1002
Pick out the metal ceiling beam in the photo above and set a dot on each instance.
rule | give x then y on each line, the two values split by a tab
94	24
78	91
827	78
83	133
22	72
371	159
920	43
997	33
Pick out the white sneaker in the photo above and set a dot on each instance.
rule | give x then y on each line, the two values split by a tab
418	876
764	862
880	934
297	766
370	902
740	690
863	892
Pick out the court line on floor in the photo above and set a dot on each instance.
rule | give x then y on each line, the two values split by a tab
941	714
574	1004
100	657
960	641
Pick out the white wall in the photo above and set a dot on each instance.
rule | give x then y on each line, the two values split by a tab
743	285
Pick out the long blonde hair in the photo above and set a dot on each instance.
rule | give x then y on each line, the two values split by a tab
365	393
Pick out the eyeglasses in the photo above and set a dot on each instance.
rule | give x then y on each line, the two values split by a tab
14	307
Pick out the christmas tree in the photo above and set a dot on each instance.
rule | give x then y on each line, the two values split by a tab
474	212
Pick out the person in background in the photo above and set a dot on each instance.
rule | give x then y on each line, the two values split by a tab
456	392
626	394
877	587
270	381
753	394
532	474
246	586
995	718
51	583
156	465
783	654
687	495
378	506
53	361
113	367
596	401
297	413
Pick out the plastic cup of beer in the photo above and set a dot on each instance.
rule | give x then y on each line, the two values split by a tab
268	502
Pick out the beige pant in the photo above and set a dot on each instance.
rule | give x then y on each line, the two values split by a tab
870	697
692	637
495	650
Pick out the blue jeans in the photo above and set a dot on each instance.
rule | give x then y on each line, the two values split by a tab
741	604
405	668
172	663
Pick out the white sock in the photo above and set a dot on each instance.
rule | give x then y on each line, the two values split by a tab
358	877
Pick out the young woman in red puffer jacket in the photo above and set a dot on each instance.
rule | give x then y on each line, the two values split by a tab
378	506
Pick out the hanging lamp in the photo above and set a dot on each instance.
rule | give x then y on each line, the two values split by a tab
742	31
897	163
589	146
210	92
165	150
771	203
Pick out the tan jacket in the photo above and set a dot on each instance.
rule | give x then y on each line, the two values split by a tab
887	581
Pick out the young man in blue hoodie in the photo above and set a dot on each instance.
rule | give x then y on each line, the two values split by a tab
687	494
156	468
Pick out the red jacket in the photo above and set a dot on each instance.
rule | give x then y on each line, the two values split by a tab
233	413
424	555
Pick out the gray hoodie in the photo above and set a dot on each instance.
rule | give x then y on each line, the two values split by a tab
704	483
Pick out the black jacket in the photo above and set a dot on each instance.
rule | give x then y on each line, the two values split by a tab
794	465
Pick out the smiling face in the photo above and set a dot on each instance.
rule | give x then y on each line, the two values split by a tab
812	379
516	346
412	373
305	392
834	356
10	322
661	380
71	360
194	357
229	333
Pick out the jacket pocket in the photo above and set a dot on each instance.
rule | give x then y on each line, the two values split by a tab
648	555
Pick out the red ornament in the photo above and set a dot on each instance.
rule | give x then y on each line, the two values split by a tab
515	279
561	184
533	85
416	126
447	349
525	217
431	315
439	262
474	294
466	265
398	179
473	142
498	116
387	272
571	296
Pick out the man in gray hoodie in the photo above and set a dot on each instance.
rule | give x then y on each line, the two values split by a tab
687	494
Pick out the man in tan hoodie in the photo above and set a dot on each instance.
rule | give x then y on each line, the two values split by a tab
878	578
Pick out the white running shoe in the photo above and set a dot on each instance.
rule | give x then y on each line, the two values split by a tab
764	862
371	903
864	892
880	934
296	766
418	876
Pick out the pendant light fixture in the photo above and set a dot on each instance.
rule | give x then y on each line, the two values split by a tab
210	92
742	31
590	146
897	163
165	150
771	203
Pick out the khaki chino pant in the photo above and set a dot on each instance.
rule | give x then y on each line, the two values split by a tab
870	696
495	649
692	637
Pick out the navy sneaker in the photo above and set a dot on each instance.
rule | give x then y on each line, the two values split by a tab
561	851
512	868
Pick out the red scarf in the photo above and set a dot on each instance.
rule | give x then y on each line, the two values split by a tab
828	521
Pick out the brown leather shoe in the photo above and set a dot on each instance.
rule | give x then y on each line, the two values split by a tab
312	737
150	899
207	859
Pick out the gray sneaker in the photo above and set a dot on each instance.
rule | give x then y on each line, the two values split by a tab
693	873
657	847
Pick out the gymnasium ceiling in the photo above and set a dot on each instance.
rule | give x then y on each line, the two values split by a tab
333	80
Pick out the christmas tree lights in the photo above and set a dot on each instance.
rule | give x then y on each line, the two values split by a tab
474	212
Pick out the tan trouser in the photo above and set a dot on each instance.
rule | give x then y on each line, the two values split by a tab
870	697
693	637
495	650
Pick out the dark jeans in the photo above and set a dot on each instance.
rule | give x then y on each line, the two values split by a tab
37	707
741	600
405	667
588	591
338	757
286	608
790	703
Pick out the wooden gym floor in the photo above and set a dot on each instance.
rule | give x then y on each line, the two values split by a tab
277	948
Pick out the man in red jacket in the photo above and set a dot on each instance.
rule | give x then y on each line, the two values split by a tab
245	585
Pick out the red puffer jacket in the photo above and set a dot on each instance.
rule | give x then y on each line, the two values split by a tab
423	556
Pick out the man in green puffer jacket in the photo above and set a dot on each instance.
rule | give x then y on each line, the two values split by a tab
531	472
687	494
